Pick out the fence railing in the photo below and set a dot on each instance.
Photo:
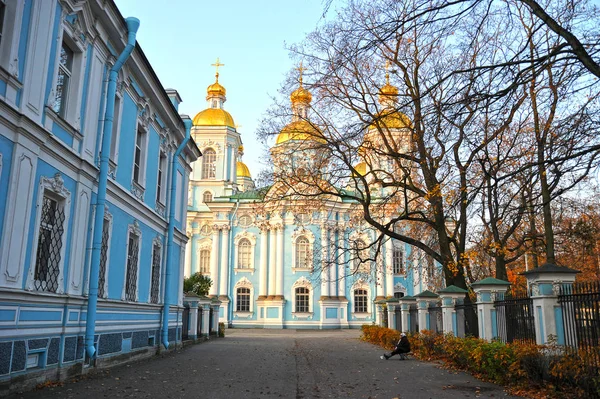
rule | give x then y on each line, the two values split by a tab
580	304
514	318
435	318
467	313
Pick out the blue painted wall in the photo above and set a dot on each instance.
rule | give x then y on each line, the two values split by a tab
6	149
127	141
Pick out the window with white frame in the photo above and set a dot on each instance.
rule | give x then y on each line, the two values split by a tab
102	280
51	221
245	221
65	71
49	245
207	197
243	299
302	300
209	159
155	283
244	254
361	300
139	157
161	191
114	138
397	260
204	261
132	267
11	15
302	252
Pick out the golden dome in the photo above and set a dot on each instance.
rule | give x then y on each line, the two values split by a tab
299	130
301	95
215	89
392	120
214	117
389	90
242	170
241	148
361	169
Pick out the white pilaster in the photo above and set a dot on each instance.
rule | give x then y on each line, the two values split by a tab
325	287
224	261
262	288
332	262
272	267
279	278
389	269
341	265
214	262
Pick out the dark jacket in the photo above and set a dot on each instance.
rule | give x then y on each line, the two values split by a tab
403	345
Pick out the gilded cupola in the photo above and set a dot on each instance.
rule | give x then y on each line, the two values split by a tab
215	115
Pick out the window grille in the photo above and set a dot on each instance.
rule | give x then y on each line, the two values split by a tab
398	260
207	197
49	245
302	298
103	260
302	247
205	261
360	301
244	254
208	164
243	300
65	68
132	266
155	288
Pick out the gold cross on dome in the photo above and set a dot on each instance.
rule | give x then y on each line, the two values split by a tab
217	65
300	69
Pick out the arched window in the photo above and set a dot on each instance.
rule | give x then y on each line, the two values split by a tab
302	300
207	197
244	253
243	299
360	301
397	260
398	294
302	252
208	163
205	261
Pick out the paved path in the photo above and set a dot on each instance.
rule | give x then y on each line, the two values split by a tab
294	364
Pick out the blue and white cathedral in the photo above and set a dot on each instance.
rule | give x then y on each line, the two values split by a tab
286	264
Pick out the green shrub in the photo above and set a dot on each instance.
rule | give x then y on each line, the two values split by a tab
197	284
221	329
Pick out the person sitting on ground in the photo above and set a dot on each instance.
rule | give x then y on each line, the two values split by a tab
403	346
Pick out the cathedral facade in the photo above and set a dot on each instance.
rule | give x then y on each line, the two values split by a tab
284	263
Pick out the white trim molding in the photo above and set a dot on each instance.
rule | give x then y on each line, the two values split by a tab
303	282
303	232
243	283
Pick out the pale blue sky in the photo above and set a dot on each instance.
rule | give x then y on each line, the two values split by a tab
182	38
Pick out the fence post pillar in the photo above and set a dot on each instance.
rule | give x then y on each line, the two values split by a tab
392	303
545	283
487	291
449	296
423	300
205	327
379	315
405	303
215	305
192	300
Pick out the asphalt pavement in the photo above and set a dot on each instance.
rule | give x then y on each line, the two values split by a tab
291	364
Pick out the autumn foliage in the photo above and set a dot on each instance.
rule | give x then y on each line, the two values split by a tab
541	371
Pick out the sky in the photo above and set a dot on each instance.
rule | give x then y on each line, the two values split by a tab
182	38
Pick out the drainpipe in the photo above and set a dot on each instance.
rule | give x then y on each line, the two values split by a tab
237	205
132	26
171	230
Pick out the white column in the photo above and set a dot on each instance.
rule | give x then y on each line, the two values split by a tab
262	288
332	263
224	261
205	320
341	265
389	269
214	262
193	326
379	274
272	253
233	173
279	278
188	258
325	287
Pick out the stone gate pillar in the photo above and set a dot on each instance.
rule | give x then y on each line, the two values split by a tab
488	290
192	301
449	296
423	300
392	304
205	326
405	304
545	283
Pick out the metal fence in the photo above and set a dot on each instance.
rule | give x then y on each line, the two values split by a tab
467	312
414	319
580	304
514	317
